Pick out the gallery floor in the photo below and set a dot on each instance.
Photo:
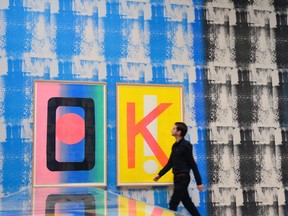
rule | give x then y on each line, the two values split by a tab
75	201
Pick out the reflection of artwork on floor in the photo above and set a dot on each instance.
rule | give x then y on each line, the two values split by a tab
69	134
54	201
128	207
145	117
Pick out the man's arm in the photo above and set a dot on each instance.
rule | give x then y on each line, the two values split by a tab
165	169
192	164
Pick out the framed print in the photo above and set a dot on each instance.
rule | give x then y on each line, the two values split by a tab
69	134
145	117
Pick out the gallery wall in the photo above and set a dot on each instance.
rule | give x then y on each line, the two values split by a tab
228	56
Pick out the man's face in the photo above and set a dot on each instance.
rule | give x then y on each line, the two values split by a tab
174	131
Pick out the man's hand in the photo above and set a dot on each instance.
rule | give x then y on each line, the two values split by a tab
200	187
156	178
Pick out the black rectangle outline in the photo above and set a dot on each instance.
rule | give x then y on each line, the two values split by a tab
89	153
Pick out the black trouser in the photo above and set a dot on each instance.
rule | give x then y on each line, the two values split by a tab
180	193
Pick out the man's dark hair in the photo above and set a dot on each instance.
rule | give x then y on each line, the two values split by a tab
181	126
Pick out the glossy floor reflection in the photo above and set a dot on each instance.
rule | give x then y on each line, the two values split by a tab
75	201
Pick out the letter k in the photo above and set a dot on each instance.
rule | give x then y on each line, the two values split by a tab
134	129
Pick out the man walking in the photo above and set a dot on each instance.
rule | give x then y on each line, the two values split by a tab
181	161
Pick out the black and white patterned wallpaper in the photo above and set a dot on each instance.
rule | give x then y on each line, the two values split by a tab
246	100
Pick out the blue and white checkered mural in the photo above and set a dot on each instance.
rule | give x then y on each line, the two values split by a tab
231	57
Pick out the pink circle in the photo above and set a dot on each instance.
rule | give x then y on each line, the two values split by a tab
70	128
